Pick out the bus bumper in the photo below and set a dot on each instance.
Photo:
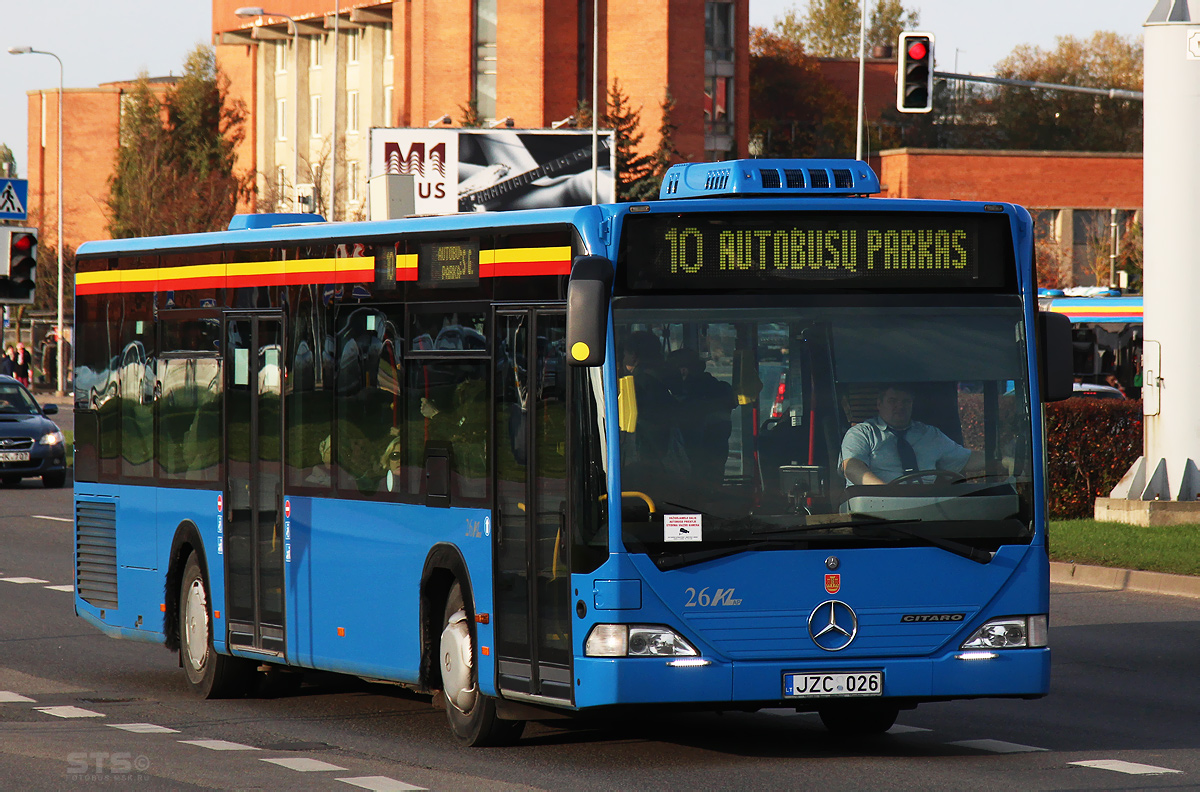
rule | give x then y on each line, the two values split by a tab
1008	673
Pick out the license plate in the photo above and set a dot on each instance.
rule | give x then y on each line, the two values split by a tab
820	685
14	456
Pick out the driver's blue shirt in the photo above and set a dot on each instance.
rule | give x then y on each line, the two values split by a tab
874	443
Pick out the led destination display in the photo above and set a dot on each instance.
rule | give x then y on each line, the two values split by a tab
448	263
740	250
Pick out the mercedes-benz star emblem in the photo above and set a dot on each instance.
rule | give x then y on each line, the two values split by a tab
832	625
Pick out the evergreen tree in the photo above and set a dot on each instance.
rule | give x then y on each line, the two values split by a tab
630	166
175	160
469	117
664	155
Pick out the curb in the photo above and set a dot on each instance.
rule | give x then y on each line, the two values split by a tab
1125	579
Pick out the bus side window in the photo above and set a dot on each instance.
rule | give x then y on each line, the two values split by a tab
452	419
370	404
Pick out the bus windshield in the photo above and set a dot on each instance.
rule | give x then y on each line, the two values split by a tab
744	423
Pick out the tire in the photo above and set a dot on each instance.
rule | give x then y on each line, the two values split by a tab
859	718
54	480
209	674
10	481
472	715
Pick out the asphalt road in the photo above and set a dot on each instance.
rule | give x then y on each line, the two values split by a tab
1125	701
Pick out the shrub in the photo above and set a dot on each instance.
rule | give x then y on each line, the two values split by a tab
1090	444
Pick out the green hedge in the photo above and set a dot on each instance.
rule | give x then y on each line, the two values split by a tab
1090	444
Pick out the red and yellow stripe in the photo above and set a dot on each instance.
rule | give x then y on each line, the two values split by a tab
508	262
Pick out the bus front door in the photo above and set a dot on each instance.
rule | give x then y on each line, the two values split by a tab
532	589
253	484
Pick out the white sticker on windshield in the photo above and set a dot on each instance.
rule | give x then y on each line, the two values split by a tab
681	528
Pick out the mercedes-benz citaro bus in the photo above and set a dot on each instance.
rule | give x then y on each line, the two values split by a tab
575	459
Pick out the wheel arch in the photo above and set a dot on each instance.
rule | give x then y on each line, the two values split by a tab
444	565
186	541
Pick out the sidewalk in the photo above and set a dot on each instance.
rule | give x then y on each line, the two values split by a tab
1125	579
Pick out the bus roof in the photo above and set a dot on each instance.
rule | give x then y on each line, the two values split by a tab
1127	310
259	233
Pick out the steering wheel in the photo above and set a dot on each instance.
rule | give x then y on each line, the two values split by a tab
938	476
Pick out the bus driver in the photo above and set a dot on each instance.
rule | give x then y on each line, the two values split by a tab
890	445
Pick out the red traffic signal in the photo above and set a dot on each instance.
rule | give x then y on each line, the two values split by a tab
18	268
914	73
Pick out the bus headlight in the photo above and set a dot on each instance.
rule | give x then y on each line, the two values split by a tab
636	640
1011	632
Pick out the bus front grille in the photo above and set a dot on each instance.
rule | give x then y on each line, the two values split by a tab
96	553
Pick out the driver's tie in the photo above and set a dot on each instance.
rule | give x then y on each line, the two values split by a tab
908	457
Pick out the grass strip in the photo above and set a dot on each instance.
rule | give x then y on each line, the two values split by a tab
1164	548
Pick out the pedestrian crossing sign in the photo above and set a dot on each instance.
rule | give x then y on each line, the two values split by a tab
14	195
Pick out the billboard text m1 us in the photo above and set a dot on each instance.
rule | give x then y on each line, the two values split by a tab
488	170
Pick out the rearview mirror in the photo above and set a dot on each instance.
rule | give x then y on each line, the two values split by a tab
1055	362
588	294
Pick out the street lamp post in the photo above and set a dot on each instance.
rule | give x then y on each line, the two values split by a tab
61	345
257	11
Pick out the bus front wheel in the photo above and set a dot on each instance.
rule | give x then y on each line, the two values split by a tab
472	715
210	675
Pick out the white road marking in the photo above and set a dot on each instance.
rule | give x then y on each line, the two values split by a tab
69	712
1131	768
303	765
143	728
23	580
48	517
380	784
219	745
8	697
997	746
66	587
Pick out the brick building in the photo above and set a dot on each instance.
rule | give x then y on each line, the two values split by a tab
408	64
1071	195
91	129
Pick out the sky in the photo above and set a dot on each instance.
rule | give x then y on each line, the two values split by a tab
109	40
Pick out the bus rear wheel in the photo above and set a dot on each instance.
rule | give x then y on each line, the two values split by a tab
472	715
859	718
209	674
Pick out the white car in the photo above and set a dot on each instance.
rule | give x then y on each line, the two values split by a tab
1089	391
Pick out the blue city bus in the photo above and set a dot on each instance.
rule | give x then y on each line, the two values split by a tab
576	459
1106	335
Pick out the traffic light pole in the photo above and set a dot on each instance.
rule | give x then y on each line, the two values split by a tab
1111	93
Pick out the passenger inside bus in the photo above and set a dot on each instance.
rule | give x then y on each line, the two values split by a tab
704	409
319	476
392	462
891	447
656	446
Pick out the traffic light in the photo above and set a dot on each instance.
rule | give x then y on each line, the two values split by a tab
18	269
914	73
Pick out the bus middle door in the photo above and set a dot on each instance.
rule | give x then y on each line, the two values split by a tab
532	587
254	568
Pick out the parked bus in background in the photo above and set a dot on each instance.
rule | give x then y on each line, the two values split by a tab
1106	335
520	461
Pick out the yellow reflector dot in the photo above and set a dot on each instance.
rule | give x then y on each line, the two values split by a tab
580	350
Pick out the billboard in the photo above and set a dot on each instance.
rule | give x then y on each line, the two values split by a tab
489	170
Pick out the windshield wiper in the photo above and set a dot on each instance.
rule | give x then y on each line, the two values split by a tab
949	545
666	562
